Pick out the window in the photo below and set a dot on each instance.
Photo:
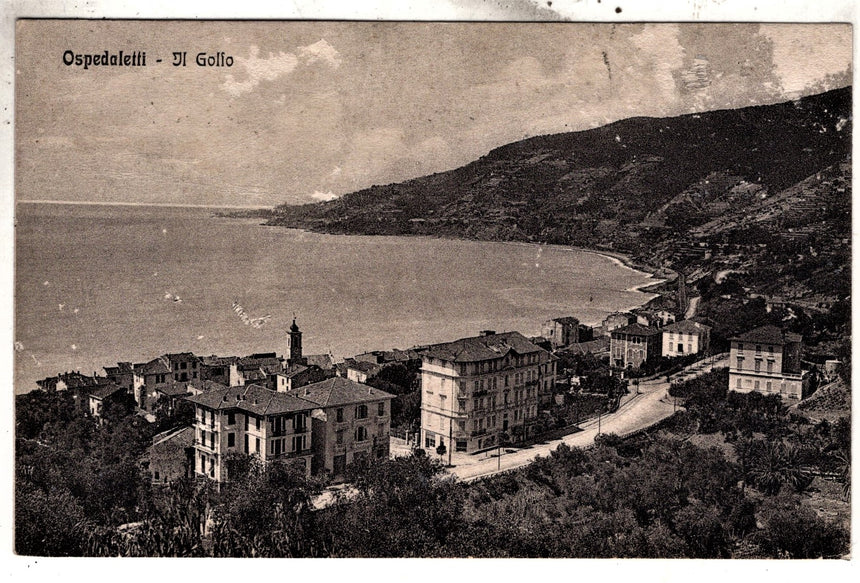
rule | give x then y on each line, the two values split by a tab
246	444
300	422
429	441
247	417
339	416
157	477
757	385
258	423
757	365
183	365
769	386
338	436
361	412
769	366
231	419
361	433
740	346
231	440
380	409
257	444
758	348
740	362
299	443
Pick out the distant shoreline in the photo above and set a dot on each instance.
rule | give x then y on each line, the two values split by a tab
143	204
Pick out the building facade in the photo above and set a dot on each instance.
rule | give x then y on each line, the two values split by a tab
251	420
353	422
477	391
561	331
767	360
686	337
634	345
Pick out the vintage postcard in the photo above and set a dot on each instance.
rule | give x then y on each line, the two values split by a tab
432	289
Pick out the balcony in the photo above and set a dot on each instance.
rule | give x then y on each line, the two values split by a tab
478	432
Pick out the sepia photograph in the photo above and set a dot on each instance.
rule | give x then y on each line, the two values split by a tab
364	289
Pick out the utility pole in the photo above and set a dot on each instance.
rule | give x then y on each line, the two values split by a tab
450	436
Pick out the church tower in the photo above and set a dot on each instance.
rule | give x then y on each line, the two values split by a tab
294	354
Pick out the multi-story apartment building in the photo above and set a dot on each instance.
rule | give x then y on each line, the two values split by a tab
250	419
354	423
634	345
686	337
474	390
323	426
564	331
767	360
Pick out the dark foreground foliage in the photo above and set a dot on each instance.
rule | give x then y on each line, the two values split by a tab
79	492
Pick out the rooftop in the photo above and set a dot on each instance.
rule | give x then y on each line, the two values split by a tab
566	321
636	330
687	327
104	391
478	348
339	391
253	399
769	335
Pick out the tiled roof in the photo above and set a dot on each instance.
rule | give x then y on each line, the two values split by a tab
155	366
567	320
340	391
103	391
636	330
180	356
175	389
252	398
478	348
321	360
182	435
219	360
364	366
687	327
120	368
769	335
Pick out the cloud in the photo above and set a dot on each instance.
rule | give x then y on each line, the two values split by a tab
275	66
323	196
320	51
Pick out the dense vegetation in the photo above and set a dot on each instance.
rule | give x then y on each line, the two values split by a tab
657	494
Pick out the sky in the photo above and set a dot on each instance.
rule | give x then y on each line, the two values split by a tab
313	110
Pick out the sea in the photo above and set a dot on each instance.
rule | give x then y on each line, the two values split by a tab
99	284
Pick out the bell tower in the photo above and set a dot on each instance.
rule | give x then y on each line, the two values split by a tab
294	354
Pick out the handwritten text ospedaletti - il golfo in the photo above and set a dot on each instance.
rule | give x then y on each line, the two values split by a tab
138	59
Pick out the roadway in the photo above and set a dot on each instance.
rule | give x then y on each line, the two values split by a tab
638	410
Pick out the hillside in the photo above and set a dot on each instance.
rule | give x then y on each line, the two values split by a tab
766	186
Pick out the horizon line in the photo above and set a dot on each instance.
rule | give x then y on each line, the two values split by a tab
156	204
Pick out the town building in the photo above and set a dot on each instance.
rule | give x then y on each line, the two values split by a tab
171	455
323	426
101	394
767	360
617	320
354	423
480	390
361	370
686	337
250	419
122	375
634	345
148	377
221	369
565	331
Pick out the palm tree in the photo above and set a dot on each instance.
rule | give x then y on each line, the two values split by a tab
774	465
